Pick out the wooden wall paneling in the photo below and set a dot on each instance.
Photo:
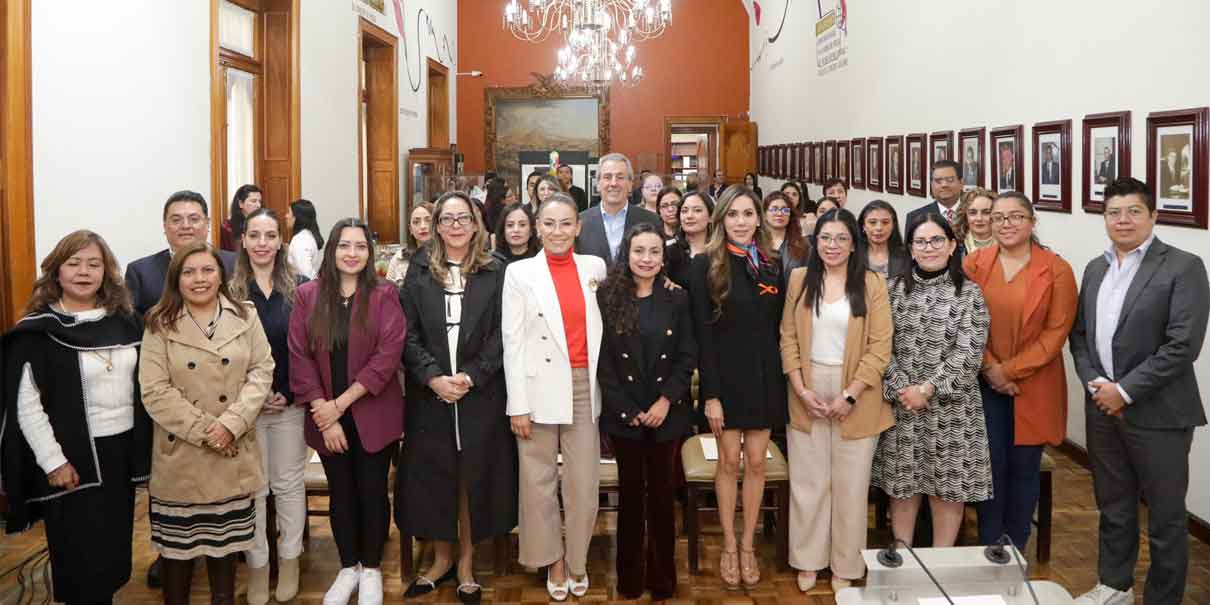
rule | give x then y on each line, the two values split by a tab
280	172
381	163
438	105
16	163
739	149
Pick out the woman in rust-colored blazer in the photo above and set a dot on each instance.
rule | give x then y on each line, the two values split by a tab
1031	297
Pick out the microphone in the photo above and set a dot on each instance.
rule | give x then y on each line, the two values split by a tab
889	558
996	553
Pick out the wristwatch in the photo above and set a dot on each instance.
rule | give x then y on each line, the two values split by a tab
849	398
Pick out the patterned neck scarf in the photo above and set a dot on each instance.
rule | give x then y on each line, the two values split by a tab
750	253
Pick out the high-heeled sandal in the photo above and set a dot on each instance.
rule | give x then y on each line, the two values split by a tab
558	592
729	573
578	588
749	567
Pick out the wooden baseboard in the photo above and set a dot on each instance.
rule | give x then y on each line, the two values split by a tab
1198	526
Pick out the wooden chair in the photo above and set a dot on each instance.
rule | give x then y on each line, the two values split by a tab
699	480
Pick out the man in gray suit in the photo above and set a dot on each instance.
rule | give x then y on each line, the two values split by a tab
1139	327
604	225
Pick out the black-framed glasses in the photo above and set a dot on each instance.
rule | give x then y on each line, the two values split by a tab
936	242
1011	220
463	220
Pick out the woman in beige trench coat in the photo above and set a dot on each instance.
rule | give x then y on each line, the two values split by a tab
205	372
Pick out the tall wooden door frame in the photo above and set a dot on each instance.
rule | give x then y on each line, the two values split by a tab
381	103
712	126
439	105
279	161
16	163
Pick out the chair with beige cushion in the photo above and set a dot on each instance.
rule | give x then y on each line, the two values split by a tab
699	480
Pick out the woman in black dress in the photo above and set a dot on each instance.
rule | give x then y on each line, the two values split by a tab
647	359
516	234
458	467
76	437
736	293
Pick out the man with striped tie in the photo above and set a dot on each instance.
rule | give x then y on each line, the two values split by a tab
947	188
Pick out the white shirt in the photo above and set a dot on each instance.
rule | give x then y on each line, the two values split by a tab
1110	299
304	254
941	210
828	331
108	400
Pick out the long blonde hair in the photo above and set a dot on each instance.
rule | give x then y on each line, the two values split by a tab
961	228
476	257
718	276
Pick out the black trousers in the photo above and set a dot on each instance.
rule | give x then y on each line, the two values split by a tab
1127	461
89	532
647	477
361	512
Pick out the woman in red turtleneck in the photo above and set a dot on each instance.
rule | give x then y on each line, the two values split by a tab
551	327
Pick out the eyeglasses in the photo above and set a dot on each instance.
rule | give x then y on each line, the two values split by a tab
839	240
945	180
463	220
1011	220
193	220
782	211
935	242
1135	213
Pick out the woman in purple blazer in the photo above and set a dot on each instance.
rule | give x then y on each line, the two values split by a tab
346	338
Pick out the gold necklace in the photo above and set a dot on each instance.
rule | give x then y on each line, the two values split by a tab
107	360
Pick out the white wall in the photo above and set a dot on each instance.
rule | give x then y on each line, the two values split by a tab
121	117
968	63
121	102
329	82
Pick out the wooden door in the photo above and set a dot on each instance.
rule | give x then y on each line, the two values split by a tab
739	149
17	260
438	105
380	164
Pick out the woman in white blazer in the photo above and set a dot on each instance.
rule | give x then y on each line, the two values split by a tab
551	327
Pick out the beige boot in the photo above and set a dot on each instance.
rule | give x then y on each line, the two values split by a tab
287	579
258	585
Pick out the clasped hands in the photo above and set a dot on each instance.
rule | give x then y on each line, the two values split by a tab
915	397
817	407
995	376
1106	396
220	439
654	416
451	389
326	413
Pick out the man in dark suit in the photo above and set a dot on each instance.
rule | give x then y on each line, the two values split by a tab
603	226
1107	171
576	193
186	221
719	184
947	188
1139	327
1050	166
1008	168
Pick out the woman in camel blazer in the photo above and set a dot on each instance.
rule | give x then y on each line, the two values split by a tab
1031	297
835	345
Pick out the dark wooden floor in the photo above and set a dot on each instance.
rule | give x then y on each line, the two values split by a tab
1073	563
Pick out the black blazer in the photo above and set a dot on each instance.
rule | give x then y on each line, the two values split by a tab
592	238
145	277
1159	334
579	196
630	384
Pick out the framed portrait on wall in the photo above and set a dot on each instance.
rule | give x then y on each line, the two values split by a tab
1177	165
1052	166
857	163
1008	159
970	156
894	164
842	161
829	160
778	159
1106	147
916	168
792	152
800	158
941	147
873	149
817	160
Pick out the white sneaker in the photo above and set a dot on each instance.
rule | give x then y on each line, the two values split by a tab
370	590
1105	595
344	586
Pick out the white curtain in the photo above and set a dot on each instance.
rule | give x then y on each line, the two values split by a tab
241	130
235	28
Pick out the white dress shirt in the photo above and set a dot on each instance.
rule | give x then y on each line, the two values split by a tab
304	254
615	228
1110	298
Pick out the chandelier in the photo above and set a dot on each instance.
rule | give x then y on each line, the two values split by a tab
598	35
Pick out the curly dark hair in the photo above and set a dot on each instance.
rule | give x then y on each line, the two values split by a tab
617	293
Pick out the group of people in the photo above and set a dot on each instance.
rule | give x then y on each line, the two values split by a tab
926	362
